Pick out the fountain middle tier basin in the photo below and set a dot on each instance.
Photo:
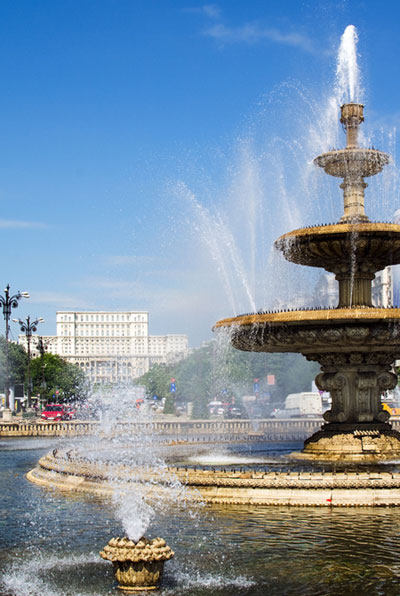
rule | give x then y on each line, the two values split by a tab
352	161
341	247
360	334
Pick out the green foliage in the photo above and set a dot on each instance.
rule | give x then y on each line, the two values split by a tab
200	408
18	360
157	380
169	407
217	370
60	376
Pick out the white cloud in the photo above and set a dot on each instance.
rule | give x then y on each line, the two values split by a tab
115	289
59	300
16	224
252	33
116	260
211	11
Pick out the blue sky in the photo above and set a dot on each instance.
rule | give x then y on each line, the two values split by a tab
126	126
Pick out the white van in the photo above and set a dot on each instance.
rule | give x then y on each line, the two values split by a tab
307	403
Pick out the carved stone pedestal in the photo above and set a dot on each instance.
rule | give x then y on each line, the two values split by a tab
367	442
357	428
355	389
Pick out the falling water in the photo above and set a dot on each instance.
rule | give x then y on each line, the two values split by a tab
217	235
266	184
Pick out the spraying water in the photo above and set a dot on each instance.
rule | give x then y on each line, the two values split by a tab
214	230
273	186
125	439
347	71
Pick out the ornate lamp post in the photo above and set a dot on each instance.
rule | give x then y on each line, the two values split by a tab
42	348
7	303
28	327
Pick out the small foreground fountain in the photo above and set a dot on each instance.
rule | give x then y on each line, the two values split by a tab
356	344
137	565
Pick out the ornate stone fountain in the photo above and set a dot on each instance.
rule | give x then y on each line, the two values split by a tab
138	566
356	344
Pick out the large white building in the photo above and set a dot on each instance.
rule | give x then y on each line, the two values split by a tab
111	347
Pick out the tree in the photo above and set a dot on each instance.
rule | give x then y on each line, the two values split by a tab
169	406
18	361
68	380
156	380
218	371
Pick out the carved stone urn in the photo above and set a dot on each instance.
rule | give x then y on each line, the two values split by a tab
138	566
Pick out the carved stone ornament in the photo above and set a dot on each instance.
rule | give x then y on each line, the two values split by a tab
294	337
356	394
138	566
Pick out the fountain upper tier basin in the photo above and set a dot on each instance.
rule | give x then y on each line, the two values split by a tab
352	161
365	335
339	247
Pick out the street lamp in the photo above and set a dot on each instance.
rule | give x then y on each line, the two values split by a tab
28	327
42	348
7	303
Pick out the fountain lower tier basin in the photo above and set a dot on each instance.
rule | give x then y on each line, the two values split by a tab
357	335
356	348
255	487
341	247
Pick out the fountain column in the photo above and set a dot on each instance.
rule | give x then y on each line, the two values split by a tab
353	185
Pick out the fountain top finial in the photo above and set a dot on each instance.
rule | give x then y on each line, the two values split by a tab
351	116
353	164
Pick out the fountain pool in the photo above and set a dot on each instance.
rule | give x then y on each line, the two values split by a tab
49	543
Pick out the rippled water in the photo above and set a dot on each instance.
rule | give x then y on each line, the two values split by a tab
49	544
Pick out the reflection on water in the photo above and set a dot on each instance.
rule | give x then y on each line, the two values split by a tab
49	544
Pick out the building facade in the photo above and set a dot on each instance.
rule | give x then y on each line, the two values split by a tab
110	347
327	291
383	288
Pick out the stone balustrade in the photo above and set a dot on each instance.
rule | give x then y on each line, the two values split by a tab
186	430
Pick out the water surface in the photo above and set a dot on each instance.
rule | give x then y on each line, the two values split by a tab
49	543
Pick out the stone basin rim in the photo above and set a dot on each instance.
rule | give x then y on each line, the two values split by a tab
354	315
341	228
231	487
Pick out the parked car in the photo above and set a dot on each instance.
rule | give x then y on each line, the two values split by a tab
307	404
87	411
70	412
55	412
235	412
